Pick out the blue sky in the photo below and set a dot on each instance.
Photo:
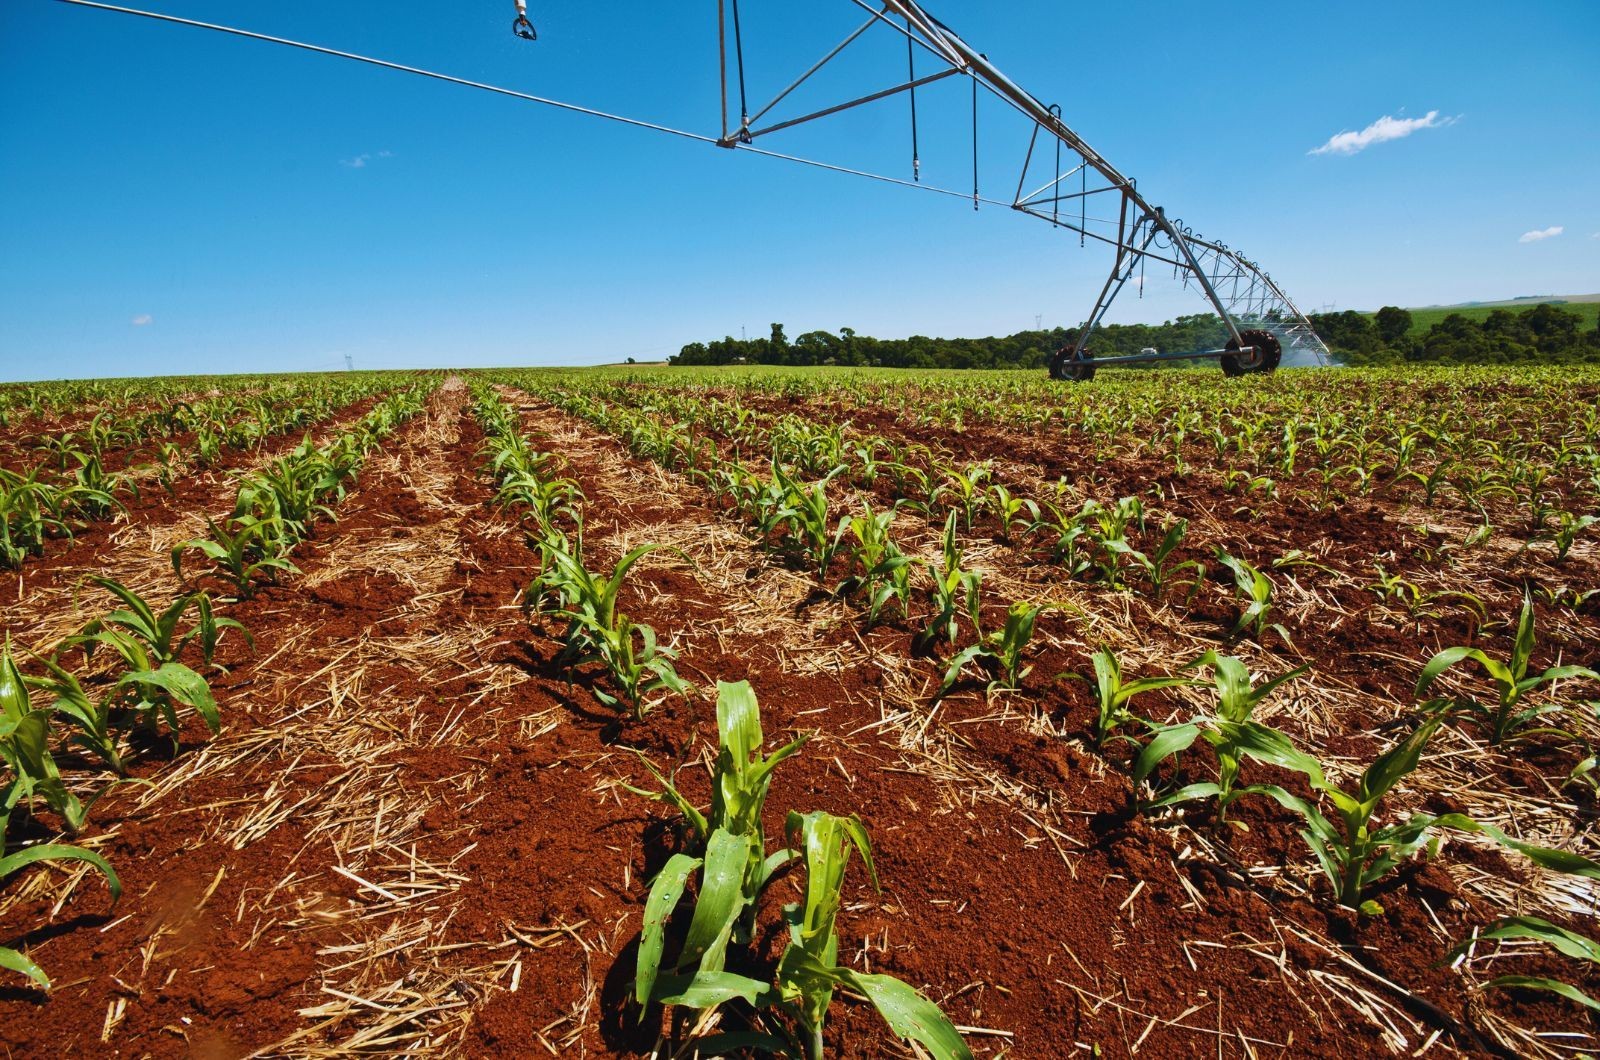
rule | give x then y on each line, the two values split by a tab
173	200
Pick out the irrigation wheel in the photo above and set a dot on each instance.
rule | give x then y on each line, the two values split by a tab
1264	358
1079	369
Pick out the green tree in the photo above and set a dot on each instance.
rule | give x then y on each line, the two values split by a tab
1393	325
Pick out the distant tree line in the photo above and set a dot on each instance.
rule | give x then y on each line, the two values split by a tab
1025	349
1543	333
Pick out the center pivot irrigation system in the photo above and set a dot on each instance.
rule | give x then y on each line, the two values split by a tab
1263	325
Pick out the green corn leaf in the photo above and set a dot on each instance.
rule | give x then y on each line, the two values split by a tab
1164	745
60	852
739	720
720	901
1522	649
14	702
1396	763
185	686
710	989
1271	747
909	1014
1538	930
1545	857
1554	986
663	899
1188	793
16	962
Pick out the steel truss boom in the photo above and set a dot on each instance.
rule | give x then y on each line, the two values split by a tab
1248	301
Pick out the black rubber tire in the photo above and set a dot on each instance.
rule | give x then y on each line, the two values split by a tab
1065	367
1268	352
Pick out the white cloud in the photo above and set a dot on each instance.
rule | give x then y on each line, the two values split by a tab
142	320
1541	233
1595	236
360	161
1385	128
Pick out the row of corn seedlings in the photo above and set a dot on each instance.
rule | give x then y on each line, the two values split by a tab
71	485
796	518
724	865
597	630
1450	446
134	698
278	505
130	702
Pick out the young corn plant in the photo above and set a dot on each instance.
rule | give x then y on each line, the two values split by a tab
31	512
809	972
1107	527
1232	733
1160	568
1255	591
1507	717
1113	694
963	490
245	555
25	750
597	631
729	850
95	488
95	721
1066	531
954	592
11	864
154	683
1568	526
885	571
1012	512
999	652
802	515
1355	852
550	501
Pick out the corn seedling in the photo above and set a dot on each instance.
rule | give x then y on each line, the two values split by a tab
30	512
954	591
1107	527
801	513
1255	590
1112	695
1160	568
1568	526
1355	853
1066	530
148	645
244	555
1012	512
597	631
93	720
809	971
999	652
1507	717
962	490
1231	732
730	845
885	571
25	749
13	863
